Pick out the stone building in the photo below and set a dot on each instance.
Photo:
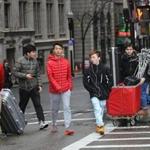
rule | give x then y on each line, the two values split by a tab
101	34
108	28
40	22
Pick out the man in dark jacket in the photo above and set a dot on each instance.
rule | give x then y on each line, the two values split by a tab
128	66
129	62
30	85
96	81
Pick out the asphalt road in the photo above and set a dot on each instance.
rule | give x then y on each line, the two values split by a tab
85	138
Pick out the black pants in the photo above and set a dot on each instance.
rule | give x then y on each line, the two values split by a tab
35	97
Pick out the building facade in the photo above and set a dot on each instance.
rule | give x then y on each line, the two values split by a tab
40	22
101	34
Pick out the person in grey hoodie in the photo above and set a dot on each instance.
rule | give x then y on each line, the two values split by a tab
30	85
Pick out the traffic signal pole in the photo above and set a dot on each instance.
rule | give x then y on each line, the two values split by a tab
132	32
131	8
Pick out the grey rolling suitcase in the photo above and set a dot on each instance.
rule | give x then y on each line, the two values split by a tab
12	119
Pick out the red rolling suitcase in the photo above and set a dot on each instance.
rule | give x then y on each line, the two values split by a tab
12	119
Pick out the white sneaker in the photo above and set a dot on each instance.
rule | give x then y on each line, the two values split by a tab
43	125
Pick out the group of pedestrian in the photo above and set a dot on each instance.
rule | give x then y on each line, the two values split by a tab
97	80
60	84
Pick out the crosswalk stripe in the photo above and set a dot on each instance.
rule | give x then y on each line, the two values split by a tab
116	146
94	137
61	111
133	127
124	139
77	119
88	139
128	132
83	142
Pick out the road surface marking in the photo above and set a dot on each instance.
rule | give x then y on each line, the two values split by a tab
88	139
61	111
77	119
133	132
124	139
82	143
115	146
133	127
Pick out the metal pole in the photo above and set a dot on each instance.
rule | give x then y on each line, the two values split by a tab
114	66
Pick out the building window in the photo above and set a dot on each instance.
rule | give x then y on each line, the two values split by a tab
102	25
50	26
37	16
108	23
23	13
7	14
61	16
102	37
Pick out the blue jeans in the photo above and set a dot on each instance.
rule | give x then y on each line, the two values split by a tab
145	95
98	106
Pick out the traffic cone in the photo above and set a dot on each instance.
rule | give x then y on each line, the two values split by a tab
76	69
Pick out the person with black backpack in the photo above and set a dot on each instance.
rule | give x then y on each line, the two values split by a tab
97	81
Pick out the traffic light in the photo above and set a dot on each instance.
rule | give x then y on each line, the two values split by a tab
139	14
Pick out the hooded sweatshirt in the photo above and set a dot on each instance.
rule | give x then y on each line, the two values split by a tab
59	74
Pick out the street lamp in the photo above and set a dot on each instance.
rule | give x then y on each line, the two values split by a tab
71	40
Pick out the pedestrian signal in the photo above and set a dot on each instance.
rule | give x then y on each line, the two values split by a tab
139	14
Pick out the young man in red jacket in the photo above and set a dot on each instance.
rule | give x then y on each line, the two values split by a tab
60	85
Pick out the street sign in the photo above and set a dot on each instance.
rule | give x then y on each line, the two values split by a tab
71	41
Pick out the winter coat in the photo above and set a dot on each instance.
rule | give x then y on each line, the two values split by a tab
97	80
128	65
26	66
59	74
